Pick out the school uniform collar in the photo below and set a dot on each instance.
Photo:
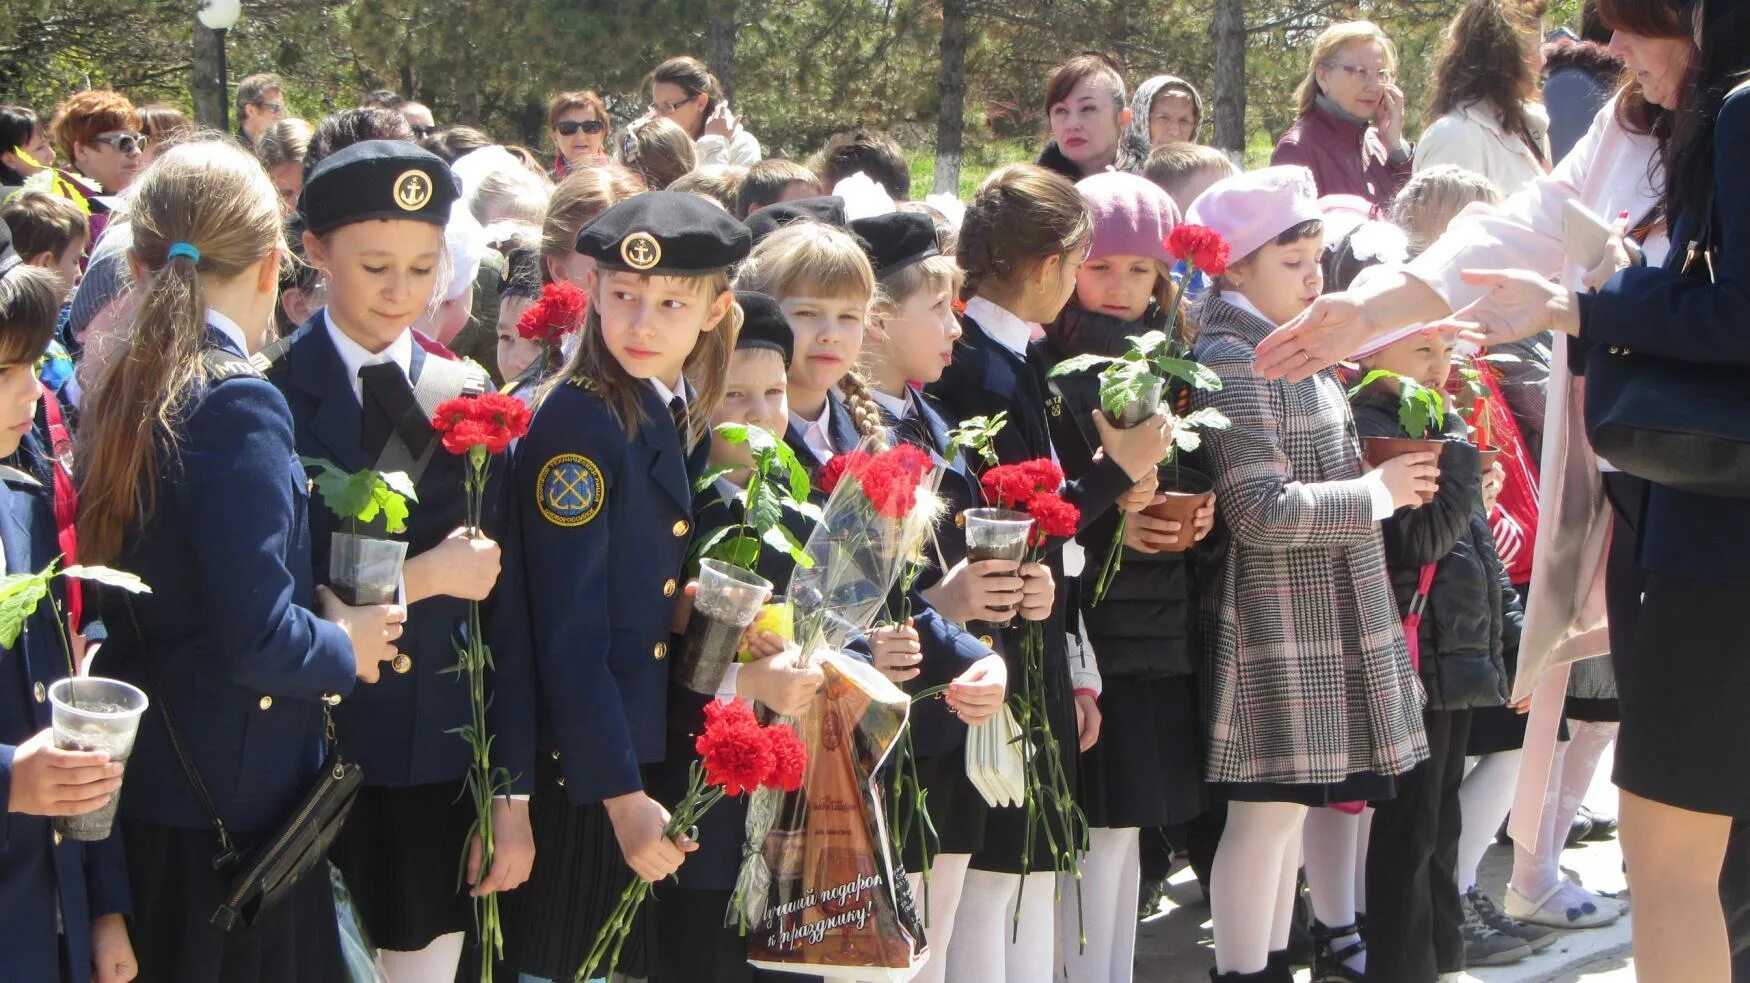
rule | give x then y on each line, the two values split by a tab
815	433
1234	298
230	329
354	356
668	394
898	407
1003	327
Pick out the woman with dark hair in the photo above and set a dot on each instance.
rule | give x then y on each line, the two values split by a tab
1090	121
1350	133
24	146
1674	638
1483	103
683	90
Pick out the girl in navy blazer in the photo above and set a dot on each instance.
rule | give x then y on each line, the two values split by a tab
189	479
46	881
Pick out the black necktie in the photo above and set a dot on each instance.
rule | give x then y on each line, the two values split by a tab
389	407
677	408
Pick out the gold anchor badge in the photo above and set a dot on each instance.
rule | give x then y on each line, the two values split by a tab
412	190
641	251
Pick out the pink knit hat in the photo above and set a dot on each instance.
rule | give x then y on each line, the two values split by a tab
1251	209
1132	216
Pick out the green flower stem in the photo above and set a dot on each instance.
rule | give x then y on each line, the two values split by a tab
1114	560
483	781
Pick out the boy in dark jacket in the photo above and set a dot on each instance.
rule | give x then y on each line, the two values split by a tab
1469	616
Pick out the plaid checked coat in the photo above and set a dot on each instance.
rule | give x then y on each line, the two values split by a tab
1308	680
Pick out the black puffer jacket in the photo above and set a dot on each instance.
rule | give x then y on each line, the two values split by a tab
1146	624
1473	613
1132	157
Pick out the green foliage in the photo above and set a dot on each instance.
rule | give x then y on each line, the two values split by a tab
777	481
1420	409
1152	360
361	497
976	435
20	593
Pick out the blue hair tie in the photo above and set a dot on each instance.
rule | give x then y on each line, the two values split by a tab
183	249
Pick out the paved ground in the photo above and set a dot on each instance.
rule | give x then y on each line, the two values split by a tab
1174	946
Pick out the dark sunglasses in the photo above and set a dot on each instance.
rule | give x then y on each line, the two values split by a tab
127	143
568	127
421	132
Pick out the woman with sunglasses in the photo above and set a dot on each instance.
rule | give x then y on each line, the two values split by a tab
579	121
1351	127
98	131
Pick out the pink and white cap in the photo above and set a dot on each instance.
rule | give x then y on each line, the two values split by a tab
1251	209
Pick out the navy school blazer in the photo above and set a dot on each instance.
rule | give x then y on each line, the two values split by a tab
88	879
399	729
841	431
245	660
603	521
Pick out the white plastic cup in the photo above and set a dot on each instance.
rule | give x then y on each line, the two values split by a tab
90	713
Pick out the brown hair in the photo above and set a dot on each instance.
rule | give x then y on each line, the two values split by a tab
1171	166
576	202
766	181
1649	20
1482	60
43	223
565	102
870	151
84	116
1287	237
718	182
252	90
1433	197
1324	55
30	301
660	151
1020	216
216	197
1087	65
706	366
285	142
454	142
690	74
165	126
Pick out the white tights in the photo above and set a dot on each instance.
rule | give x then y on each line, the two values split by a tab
1336	867
1251	883
985	946
437	961
947	881
1111	875
1576	762
1484	799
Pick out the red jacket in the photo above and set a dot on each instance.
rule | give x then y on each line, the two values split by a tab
1346	158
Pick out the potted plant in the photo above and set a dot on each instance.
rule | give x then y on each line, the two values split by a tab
364	569
88	713
1421	411
1135	380
730	593
1476	410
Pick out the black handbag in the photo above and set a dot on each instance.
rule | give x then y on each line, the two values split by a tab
272	868
1685	425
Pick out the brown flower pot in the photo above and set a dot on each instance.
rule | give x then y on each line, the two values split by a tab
1378	450
1486	458
1186	491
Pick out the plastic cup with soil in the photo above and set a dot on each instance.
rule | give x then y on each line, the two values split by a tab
997	534
1186	492
90	713
364	571
728	599
1137	410
1378	450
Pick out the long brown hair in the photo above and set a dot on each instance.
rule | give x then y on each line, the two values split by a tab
217	198
1483	60
1019	217
1649	20
706	367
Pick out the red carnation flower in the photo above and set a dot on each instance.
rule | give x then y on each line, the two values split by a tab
558	313
890	479
1052	517
837	466
1007	485
736	750
489	420
790	755
1201	246
1045	474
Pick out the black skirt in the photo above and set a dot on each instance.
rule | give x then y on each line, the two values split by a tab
176	891
1005	833
550	923
1147	767
1682	683
401	853
1365	786
957	810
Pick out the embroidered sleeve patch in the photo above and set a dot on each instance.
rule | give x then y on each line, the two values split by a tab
570	490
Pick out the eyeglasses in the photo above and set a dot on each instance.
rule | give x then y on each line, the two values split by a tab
668	108
1366	76
127	143
569	127
421	132
272	107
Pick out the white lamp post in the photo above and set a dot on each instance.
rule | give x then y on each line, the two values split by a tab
220	16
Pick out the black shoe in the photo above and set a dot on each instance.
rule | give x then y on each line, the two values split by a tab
1262	976
1603	827
1580	829
1280	969
1330	966
1485	945
1300	940
1489	911
1149	897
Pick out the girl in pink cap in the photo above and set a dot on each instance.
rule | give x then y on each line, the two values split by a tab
1309	697
1141	762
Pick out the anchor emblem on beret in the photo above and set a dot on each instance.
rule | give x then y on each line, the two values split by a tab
641	251
413	190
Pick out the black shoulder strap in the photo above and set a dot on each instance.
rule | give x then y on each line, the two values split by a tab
440	380
272	355
221	365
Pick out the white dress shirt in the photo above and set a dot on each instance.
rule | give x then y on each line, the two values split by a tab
228	328
814	432
899	407
354	356
1009	331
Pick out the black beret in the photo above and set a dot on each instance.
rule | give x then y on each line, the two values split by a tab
896	240
829	210
522	273
377	179
9	257
665	233
763	324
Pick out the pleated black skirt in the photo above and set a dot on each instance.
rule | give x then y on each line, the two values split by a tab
957	811
401	853
550	923
1005	834
176	891
1147	767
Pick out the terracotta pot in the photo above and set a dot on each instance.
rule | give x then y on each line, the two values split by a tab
1186	491
1378	450
1486	458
